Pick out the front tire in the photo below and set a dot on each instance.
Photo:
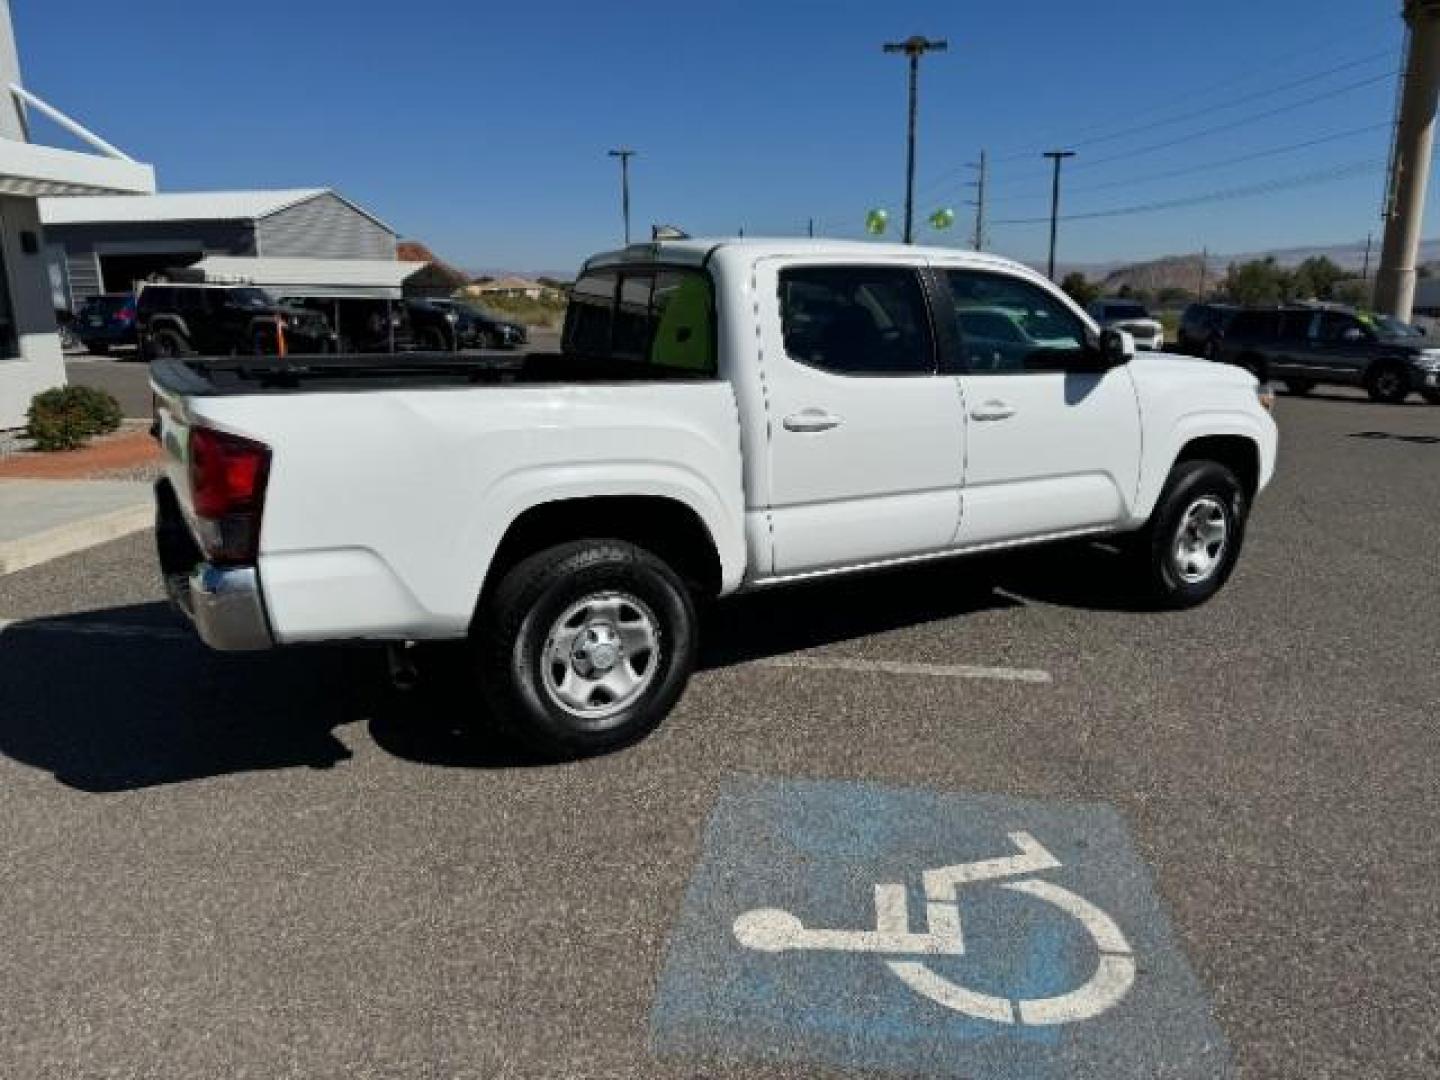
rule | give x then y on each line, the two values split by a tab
1190	546
167	344
1388	384
585	647
1432	397
1299	387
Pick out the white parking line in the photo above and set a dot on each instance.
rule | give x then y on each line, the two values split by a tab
893	667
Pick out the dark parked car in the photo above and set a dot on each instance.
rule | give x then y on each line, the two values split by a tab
435	326
1306	346
362	324
105	322
223	320
1202	326
480	328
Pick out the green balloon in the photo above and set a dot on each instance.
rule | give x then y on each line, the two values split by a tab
876	220
942	218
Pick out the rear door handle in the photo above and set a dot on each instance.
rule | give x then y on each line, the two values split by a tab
993	410
811	420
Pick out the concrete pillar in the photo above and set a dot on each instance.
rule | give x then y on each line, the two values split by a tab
1414	142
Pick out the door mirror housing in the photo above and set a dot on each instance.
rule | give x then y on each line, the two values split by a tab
1116	347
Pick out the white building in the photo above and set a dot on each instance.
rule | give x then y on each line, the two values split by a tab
30	357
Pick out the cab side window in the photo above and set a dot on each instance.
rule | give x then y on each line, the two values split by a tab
1009	325
1335	325
856	320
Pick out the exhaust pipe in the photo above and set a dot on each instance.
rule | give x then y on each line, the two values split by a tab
400	662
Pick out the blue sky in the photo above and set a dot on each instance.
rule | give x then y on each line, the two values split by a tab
481	128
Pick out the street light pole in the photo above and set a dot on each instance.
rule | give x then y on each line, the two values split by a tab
624	156
1057	156
913	47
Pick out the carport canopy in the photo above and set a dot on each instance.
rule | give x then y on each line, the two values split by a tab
379	279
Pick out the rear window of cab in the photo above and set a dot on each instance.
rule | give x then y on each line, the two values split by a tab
655	316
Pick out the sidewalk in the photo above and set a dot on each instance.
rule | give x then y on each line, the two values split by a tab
42	520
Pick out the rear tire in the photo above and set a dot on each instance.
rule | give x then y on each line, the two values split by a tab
585	647
1432	397
1388	384
1189	548
1299	387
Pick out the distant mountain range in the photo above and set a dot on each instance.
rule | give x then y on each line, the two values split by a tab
1183	271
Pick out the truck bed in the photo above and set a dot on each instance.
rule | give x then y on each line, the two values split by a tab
228	376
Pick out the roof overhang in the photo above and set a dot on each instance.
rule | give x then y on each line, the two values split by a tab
36	171
381	279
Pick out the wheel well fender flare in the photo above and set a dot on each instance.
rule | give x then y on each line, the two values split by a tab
1235	439
670	511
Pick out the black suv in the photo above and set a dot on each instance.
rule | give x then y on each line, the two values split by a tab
1306	346
223	320
1201	328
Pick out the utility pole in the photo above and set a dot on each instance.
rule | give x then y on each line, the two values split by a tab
624	155
1365	270
978	239
913	47
810	228
1204	269
1058	156
1410	162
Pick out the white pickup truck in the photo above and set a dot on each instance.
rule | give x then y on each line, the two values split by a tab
724	416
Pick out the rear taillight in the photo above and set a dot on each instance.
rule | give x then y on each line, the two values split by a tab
227	489
126	314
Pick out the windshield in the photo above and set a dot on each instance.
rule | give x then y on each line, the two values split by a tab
1391	327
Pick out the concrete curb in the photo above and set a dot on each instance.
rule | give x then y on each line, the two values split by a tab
74	536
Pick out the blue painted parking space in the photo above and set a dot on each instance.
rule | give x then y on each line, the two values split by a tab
856	926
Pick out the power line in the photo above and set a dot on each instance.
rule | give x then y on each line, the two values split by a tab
1271	65
1193	114
1209	166
1188	115
1223	195
1233	124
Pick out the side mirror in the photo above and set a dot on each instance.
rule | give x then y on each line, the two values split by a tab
1117	347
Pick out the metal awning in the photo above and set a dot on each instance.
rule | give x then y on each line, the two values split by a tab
381	279
37	171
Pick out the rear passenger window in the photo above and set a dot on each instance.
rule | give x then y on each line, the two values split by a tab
660	317
856	320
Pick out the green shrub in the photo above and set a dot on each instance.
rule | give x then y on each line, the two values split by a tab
65	417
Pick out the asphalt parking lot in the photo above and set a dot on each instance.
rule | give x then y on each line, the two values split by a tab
272	866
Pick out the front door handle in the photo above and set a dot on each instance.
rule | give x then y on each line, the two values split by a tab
993	410
811	420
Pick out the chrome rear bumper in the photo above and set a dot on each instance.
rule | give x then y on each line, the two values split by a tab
225	605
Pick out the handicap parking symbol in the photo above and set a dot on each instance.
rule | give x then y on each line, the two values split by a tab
1035	945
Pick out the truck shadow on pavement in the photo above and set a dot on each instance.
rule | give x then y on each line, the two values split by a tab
126	698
